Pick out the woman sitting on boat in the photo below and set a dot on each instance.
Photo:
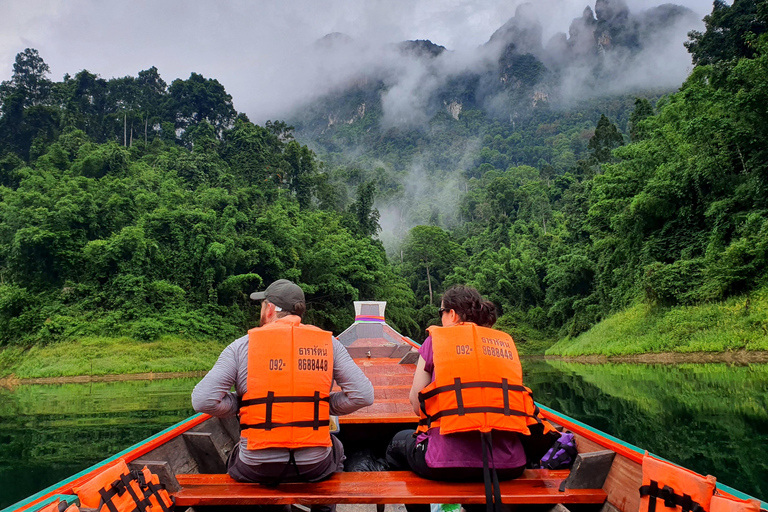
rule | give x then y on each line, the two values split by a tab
469	394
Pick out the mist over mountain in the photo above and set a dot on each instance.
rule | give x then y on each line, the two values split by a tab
425	114
608	50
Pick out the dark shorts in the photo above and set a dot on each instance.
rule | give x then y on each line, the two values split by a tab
404	453
285	472
270	472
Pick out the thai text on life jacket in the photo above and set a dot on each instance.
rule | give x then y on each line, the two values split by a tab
478	383
290	372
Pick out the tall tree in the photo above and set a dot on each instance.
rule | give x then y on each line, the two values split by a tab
29	79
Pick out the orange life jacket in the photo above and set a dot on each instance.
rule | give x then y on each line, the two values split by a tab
478	383
726	504
116	489
59	506
667	486
290	372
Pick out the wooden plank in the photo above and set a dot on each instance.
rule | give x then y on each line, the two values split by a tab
380	487
399	476
623	483
590	470
204	451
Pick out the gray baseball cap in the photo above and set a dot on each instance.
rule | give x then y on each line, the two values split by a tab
282	293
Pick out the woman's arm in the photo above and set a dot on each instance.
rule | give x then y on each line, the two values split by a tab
421	379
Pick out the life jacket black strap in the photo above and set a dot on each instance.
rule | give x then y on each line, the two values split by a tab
470	385
490	476
270	426
141	503
150	489
118	488
671	499
291	463
284	399
471	410
271	399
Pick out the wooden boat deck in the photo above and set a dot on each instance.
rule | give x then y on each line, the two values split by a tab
391	383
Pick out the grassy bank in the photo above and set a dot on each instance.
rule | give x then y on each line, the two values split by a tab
739	323
109	356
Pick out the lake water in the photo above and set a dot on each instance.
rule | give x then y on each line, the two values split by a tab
712	418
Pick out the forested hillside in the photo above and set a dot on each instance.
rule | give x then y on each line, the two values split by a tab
132	207
564	212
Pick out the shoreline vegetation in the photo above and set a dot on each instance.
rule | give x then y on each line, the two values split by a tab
732	331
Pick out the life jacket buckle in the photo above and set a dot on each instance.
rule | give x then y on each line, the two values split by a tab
119	487
668	495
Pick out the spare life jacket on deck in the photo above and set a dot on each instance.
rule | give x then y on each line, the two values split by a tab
59	506
478	384
729	504
670	488
116	489
290	372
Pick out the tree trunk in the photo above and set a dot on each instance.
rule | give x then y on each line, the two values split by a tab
146	121
125	130
429	282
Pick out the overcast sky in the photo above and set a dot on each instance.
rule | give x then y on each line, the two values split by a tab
257	49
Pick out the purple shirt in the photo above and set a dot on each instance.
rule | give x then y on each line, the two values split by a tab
463	449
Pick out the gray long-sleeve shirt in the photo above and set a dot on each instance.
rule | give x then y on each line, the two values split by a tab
213	396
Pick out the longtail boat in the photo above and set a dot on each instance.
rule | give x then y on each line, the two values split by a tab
190	457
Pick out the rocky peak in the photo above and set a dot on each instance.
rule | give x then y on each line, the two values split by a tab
611	11
420	48
522	32
334	40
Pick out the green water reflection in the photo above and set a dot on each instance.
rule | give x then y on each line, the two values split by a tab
49	432
709	417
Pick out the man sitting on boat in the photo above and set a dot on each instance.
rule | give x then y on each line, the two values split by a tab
283	372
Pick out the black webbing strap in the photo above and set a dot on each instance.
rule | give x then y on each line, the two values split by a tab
505	394
470	385
671	499
316	412
471	410
536	411
271	399
141	503
149	489
291	462
490	477
308	423
459	398
116	488
270	402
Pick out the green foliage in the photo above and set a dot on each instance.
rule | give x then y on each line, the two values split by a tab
168	237
740	323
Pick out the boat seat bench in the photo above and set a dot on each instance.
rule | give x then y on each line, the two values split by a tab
379	487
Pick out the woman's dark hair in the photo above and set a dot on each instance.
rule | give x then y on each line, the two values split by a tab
469	305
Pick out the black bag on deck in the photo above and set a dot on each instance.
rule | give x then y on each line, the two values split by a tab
537	444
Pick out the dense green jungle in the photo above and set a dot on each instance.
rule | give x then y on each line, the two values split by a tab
130	207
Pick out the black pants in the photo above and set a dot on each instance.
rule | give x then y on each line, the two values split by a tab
269	473
403	453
